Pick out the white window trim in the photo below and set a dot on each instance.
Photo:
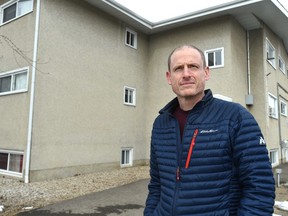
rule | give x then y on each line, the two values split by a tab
276	163
134	96
11	173
135	38
7	4
130	163
214	50
13	73
283	63
273	113
272	61
285	113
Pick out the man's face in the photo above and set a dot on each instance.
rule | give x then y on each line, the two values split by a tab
187	74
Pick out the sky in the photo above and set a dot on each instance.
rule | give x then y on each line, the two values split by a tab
172	8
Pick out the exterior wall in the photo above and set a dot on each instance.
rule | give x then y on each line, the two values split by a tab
220	32
257	78
80	121
278	86
16	51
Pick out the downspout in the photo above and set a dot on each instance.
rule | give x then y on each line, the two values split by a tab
279	122
31	107
248	62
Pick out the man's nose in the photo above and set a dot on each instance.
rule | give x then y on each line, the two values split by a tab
186	71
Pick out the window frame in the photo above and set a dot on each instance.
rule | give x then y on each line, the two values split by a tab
281	61
123	161
274	157
274	112
131	38
130	89
271	57
17	15
285	108
207	52
9	172
13	74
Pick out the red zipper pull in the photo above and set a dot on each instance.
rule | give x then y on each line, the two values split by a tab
178	174
191	148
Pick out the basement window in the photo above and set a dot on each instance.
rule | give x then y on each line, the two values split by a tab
11	163
131	38
126	157
14	9
274	157
14	81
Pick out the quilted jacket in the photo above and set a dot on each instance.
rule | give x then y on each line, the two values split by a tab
220	168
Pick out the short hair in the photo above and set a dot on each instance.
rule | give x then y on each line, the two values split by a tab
187	46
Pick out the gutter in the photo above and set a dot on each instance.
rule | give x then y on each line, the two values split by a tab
32	96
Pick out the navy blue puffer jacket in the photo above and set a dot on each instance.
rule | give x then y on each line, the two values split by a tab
227	173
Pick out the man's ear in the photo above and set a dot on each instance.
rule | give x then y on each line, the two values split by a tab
168	77
207	73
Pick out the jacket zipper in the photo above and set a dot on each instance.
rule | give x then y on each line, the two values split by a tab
192	144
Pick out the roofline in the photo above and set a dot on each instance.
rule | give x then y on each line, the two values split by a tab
232	8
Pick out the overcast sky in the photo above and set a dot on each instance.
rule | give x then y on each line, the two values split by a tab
152	9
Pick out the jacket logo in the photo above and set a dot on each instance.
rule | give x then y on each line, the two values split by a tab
208	131
262	141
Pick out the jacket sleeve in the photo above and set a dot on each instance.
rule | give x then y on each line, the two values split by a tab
255	174
154	185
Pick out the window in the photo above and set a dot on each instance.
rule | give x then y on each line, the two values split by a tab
270	53
273	108
129	96
14	9
126	157
282	64
215	57
11	162
14	81
274	159
131	38
283	108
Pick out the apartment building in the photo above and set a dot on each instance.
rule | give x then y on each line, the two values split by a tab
82	81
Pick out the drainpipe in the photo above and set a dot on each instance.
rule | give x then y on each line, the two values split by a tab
248	62
32	93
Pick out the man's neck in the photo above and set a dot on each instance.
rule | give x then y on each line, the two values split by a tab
187	103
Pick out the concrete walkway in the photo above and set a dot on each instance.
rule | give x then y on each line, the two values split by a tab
128	200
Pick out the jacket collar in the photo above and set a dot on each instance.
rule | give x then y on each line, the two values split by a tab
173	104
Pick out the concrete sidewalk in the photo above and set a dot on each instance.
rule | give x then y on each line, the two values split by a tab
128	200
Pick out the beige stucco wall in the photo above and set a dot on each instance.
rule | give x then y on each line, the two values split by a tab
16	51
83	66
219	32
80	122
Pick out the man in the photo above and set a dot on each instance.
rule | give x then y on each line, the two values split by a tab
208	156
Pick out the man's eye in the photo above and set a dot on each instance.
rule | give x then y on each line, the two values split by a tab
178	68
193	66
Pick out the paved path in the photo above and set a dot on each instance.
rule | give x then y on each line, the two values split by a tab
128	200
